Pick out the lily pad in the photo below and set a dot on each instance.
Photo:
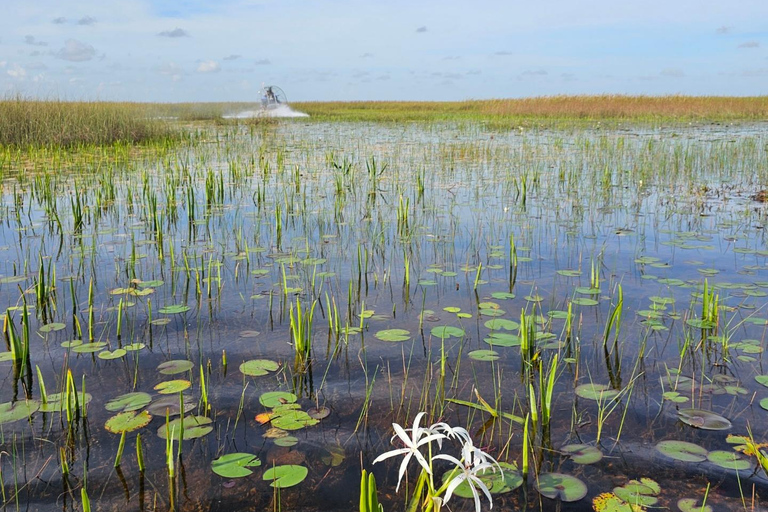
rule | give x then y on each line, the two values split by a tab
682	450
584	301
292	419
175	366
597	392
171	405
319	413
235	465
691	505
503	339
558	486
86	348
502	323
15	411
582	453
127	421
498	482
258	367
285	476
705	420
728	460
272	399
129	402
483	355
446	331
609	502
115	354
54	401
286	441
54	326
393	335
174	309
194	427
170	387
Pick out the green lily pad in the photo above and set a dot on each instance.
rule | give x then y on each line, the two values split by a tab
286	441
127	421
170	387
691	505
129	402
258	367
597	392
285	476
762	379
639	493
705	420
54	401
498	482
15	411
115	354
174	309
151	284
235	465
674	396
272	399
728	460
569	273
446	331
503	339
584	301
483	355
491	312
609	502
54	326
291	419
170	404
501	295
557	486
393	335
582	453
86	348
682	450
502	323
134	347
194	427
175	366
557	314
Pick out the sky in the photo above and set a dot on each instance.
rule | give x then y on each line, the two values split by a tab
328	50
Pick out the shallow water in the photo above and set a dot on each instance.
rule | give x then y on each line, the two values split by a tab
243	223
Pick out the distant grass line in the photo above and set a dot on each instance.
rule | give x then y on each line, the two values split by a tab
548	108
38	123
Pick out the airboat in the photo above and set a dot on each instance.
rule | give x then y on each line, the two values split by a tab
272	97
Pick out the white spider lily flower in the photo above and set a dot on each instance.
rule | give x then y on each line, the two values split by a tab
459	433
418	438
473	462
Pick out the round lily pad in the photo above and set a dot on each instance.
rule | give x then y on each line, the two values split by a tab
127	421
291	419
285	476
682	450
609	502
286	441
728	460
582	453
86	348
175	366
171	405
174	309
497	482
483	355
172	386
54	326
762	379
584	301
691	505
638	493
702	419
598	392
115	354
502	323
274	398
558	486
235	465
501	295
194	427
15	411
503	339
129	402
446	331
393	335
258	367
319	413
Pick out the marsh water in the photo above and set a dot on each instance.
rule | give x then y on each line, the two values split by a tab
205	252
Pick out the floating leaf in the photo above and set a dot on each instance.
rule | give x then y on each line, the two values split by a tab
15	411
502	323
292	419
258	367
235	465
129	402
609	502
194	427
503	339
172	386
272	399
393	335
674	396
171	405
127	421
175	366
598	392
682	450
702	419
54	326
501	295
728	460
561	487
285	476
446	331
115	354
335	455
286	441
569	273
640	493
762	379
86	348
582	453
691	505
319	413
483	355
174	309
134	347
583	301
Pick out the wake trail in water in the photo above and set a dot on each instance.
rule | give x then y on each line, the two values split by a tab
281	111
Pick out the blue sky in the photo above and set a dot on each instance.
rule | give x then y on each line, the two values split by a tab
190	50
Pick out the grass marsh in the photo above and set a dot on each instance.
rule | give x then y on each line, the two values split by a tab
294	288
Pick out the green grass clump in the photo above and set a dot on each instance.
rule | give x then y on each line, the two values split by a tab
56	123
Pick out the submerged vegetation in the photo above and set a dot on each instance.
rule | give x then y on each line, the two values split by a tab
240	320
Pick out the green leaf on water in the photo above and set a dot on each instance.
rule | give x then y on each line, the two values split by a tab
561	487
682	450
285	476
15	411
503	339
569	273
393	335
258	367
286	441
291	419
705	420
597	392
502	323
446	331
175	366
115	354
691	505
87	348
728	460
172	386
54	326
582	453
762	379
194	427
235	465
55	401
272	399
483	355
583	301
127	421
170	404
129	402
502	295
674	396
174	309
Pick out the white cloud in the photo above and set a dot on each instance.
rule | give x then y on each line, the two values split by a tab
17	72
172	70
208	66
76	51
